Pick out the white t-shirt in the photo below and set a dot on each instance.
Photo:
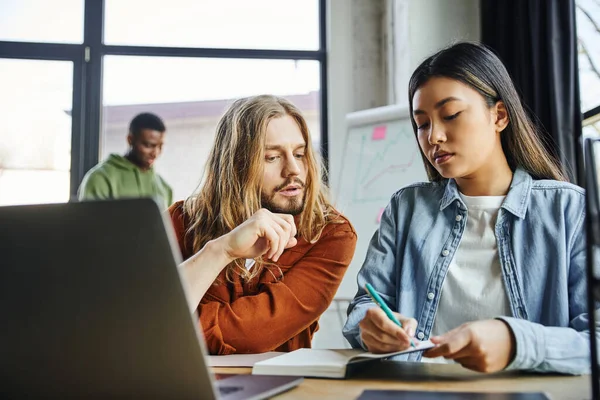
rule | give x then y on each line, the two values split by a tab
250	263
473	288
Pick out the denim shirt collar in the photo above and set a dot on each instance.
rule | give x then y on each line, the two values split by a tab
516	201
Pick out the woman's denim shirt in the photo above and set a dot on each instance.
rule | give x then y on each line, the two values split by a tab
540	234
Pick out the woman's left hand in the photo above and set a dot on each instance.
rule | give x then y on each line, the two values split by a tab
484	346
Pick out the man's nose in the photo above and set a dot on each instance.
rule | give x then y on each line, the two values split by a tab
292	167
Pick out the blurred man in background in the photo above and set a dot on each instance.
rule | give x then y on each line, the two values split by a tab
131	175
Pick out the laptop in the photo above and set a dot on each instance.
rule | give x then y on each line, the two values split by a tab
92	305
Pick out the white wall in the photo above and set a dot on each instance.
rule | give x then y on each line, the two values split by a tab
357	67
432	25
372	54
374	45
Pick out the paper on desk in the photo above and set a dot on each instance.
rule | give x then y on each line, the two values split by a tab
241	360
424	345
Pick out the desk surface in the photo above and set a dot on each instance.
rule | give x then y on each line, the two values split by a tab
433	377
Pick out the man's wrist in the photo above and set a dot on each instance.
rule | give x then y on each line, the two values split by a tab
217	248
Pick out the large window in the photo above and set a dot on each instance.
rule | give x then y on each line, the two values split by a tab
35	139
74	73
56	21
190	97
241	24
588	35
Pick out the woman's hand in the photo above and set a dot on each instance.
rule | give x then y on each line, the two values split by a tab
484	346
382	335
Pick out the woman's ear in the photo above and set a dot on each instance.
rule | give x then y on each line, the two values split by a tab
501	116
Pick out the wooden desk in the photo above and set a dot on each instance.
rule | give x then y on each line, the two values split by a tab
433	377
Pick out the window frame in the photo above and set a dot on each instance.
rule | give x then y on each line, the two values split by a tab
591	116
87	61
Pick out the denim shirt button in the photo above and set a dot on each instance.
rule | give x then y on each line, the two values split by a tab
430	295
445	253
420	335
458	218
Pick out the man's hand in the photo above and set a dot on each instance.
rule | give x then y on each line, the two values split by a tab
265	233
484	346
381	335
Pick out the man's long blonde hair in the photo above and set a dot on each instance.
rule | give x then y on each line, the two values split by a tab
231	192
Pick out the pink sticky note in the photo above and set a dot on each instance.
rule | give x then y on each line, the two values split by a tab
380	214
379	132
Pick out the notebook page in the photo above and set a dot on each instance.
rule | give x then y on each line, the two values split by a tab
421	346
313	358
241	360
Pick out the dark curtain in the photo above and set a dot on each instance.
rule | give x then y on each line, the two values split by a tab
537	41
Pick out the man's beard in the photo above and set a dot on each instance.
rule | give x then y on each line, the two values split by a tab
136	158
292	205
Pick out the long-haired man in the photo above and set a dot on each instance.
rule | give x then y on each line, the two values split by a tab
264	249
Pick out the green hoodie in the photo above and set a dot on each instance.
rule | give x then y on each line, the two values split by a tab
117	177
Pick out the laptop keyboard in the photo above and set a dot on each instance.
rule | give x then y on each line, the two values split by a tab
229	389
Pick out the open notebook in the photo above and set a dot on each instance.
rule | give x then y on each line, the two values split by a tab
323	363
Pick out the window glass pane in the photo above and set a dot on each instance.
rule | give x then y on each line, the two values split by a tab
56	21
588	34
190	95
261	24
592	130
35	139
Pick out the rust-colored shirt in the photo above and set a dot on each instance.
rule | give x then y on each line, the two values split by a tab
270	312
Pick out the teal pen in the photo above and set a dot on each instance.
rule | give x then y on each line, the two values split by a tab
379	301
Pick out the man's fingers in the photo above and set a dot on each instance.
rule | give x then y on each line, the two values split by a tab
275	224
291	243
286	221
288	230
283	239
273	239
290	221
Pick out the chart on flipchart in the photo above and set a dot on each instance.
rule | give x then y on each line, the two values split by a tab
381	155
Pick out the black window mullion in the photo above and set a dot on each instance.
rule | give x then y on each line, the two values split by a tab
591	113
92	72
39	51
60	52
92	34
77	125
323	83
86	109
202	52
